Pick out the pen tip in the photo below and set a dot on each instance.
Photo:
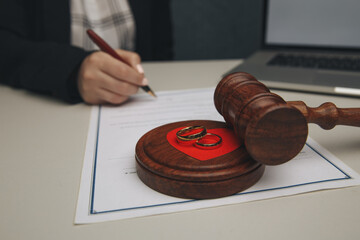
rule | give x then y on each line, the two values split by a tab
148	90
152	93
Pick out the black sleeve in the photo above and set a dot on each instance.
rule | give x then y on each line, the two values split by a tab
154	35
162	29
35	47
36	64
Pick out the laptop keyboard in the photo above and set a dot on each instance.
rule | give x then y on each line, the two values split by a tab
308	61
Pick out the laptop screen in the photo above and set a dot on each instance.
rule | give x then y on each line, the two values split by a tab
313	23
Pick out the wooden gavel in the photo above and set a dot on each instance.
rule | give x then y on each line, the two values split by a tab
273	131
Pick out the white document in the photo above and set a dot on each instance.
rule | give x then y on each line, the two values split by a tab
110	188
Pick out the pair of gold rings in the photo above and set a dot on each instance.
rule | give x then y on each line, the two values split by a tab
198	136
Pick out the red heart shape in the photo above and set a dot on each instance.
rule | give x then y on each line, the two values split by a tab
229	143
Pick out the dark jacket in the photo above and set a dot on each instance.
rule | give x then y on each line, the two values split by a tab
35	51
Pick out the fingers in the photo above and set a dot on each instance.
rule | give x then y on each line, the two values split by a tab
121	70
117	87
103	79
102	96
131	58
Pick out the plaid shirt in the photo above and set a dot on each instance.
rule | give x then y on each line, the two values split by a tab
110	19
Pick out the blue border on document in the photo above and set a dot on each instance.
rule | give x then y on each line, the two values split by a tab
92	211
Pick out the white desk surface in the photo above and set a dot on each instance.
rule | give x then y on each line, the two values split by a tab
42	144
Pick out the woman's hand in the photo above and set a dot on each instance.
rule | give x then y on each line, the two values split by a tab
104	79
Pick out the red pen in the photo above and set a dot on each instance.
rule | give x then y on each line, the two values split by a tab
106	48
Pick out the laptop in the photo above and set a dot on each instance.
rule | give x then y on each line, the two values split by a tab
309	45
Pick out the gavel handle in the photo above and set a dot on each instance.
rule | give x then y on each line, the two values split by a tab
328	115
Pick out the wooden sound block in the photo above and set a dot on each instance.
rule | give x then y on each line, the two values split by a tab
168	170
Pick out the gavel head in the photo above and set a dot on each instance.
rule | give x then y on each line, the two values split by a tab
273	131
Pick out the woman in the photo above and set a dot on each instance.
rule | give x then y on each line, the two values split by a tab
39	51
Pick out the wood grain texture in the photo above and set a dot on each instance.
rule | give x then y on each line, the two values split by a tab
327	115
170	171
273	131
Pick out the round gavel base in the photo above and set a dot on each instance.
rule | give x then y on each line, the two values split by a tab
168	170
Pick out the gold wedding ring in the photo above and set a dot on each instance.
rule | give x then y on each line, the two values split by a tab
185	134
200	143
